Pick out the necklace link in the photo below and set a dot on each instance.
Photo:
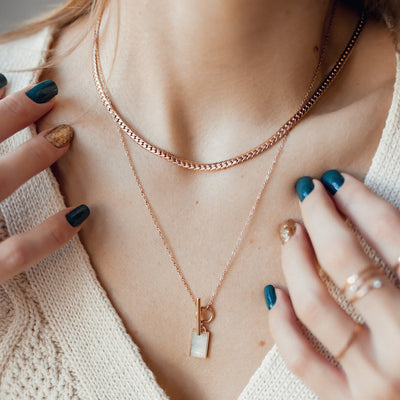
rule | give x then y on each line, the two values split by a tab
220	165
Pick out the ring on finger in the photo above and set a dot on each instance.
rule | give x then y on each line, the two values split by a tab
361	283
350	341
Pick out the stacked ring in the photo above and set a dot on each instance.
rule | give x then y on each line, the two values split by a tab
361	283
350	341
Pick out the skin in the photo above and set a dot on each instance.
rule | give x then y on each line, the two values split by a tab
370	368
19	252
207	82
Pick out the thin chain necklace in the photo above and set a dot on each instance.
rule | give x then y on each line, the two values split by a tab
205	314
192	165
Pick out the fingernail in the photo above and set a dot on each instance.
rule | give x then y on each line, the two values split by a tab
286	230
332	180
270	296
78	215
3	81
43	92
304	186
60	136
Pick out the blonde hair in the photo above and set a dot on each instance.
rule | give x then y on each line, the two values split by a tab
71	10
59	18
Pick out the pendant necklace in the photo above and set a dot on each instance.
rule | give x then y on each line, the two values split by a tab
205	314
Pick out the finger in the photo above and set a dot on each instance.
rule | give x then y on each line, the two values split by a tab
322	377
312	302
3	84
340	253
20	252
20	109
377	220
32	157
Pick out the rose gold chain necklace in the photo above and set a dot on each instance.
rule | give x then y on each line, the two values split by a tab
205	314
192	165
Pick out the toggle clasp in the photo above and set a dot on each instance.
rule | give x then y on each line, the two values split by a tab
202	312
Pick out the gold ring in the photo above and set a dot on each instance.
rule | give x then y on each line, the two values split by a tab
361	283
350	341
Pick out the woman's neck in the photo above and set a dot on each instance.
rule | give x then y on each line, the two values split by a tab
201	69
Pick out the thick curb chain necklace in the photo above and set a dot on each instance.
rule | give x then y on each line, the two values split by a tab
219	165
205	314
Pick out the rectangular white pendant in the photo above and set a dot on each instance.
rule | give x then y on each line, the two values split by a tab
199	344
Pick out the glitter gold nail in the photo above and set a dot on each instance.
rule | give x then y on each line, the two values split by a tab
60	136
286	230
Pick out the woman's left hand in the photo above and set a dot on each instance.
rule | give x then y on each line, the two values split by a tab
368	353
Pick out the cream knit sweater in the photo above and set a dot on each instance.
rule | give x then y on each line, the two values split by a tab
60	337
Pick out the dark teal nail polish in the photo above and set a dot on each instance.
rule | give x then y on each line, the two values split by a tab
270	296
43	92
78	215
3	81
332	180
304	186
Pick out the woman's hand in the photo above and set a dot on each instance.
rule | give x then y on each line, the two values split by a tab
368	353
17	111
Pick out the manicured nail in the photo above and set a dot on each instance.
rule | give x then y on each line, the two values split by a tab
43	92
3	81
78	215
270	296
304	186
60	136
286	230
332	180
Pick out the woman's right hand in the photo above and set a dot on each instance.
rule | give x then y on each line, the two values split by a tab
17	111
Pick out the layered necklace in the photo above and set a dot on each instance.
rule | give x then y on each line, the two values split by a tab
205	314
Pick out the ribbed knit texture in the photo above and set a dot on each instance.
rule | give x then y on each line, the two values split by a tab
60	337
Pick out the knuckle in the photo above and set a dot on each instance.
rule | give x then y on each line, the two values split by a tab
37	152
14	259
57	237
308	307
347	246
13	106
297	363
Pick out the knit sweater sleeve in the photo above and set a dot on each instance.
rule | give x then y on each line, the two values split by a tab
32	364
3	228
6	309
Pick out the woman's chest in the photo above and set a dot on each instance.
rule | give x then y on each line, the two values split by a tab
201	217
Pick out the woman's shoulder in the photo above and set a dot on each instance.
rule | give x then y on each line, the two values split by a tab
21	61
27	52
